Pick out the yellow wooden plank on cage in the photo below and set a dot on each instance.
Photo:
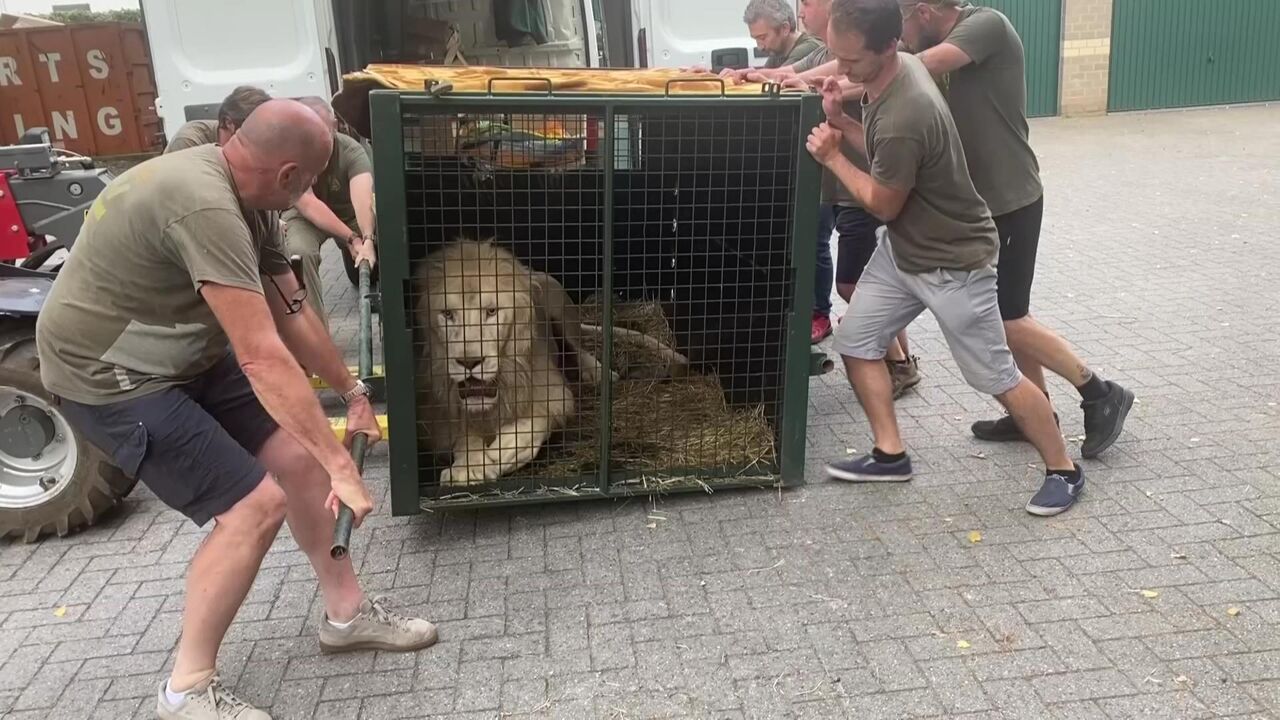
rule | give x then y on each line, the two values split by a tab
339	426
318	383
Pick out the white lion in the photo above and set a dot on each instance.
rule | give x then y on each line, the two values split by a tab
490	358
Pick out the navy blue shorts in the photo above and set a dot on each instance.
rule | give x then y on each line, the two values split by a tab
193	445
1019	242
857	230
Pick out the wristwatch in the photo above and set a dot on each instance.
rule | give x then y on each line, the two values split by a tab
359	389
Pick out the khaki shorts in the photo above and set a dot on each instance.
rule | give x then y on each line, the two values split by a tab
964	302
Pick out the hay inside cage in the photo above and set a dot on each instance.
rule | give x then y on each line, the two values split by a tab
658	425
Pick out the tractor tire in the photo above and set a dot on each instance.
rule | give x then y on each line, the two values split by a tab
84	485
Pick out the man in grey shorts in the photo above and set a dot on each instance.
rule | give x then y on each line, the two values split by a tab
937	251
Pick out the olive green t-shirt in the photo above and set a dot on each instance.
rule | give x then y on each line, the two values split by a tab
193	134
819	56
805	45
125	317
913	144
333	186
988	100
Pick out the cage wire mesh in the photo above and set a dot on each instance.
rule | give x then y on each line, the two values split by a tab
551	360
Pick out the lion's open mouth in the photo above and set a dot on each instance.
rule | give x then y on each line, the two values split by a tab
476	388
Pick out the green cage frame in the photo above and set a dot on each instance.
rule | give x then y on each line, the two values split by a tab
388	109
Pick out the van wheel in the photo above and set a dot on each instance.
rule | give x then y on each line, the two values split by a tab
51	479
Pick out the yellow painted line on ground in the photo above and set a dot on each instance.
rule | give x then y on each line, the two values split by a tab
339	426
319	384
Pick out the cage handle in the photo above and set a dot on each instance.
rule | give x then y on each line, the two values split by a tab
677	81
518	78
436	88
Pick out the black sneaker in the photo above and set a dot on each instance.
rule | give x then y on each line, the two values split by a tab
867	469
1104	419
1003	430
1056	494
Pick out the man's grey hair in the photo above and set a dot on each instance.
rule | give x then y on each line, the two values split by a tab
320	106
775	12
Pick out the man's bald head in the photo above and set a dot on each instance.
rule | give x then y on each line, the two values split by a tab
280	149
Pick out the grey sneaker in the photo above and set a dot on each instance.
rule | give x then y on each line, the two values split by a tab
210	701
376	627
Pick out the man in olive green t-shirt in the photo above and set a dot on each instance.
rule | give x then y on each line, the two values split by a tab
339	205
169	341
231	114
935	253
772	24
977	55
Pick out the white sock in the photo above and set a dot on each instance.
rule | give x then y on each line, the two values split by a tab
174	698
341	626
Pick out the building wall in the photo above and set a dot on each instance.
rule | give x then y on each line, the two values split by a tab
1086	56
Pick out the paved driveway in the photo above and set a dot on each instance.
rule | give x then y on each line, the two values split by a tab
1160	262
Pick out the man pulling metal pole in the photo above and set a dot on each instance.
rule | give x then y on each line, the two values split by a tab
172	338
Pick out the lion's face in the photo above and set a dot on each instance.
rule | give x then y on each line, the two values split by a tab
480	312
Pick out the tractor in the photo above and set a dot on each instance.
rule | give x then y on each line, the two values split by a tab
51	479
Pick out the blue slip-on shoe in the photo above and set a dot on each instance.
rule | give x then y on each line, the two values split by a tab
868	469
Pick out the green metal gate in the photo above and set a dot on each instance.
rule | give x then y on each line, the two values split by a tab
678	218
1039	23
1187	53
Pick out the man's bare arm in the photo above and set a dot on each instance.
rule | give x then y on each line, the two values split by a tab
825	70
275	375
944	58
305	336
361	188
880	200
314	210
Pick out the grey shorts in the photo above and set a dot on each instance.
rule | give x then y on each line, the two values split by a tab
965	304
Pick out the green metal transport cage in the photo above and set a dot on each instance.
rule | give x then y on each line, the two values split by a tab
678	232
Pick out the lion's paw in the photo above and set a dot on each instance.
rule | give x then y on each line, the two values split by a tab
461	475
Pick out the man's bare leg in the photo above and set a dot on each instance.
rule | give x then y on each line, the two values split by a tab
1036	347
871	382
221	573
352	621
1031	410
1105	404
887	461
306	485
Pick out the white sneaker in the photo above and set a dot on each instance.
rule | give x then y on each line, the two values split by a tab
210	701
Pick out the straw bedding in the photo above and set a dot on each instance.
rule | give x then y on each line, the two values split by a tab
659	426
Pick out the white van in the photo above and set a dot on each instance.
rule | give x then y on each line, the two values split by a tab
202	49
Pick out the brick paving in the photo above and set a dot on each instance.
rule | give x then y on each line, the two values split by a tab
1159	263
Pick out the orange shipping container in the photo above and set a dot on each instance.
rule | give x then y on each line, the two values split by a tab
91	85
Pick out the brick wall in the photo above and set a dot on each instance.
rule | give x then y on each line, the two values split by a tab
1086	56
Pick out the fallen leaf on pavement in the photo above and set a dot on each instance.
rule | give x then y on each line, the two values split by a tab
62	610
1233	611
963	644
1149	594
975	536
